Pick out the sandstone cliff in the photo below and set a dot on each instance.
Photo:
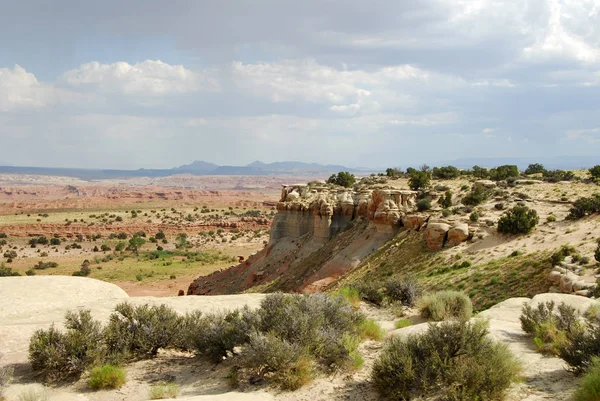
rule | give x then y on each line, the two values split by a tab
318	234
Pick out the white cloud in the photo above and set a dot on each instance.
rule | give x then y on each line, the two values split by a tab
146	78
21	89
572	32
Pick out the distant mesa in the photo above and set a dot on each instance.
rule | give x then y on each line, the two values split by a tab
197	167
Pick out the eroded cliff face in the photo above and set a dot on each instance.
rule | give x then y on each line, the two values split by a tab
318	234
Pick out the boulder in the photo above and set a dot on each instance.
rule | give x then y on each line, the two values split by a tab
435	235
413	221
554	277
485	184
458	234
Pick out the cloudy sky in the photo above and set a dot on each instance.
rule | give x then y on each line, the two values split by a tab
149	83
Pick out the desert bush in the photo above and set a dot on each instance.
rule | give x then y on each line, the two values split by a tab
535	168
322	325
474	217
476	197
350	294
405	290
504	172
446	212
584	206
445	173
480	172
216	335
583	344
451	361
7	271
140	331
595	172
589	386
597	253
6	375
424	204
67	355
558	175
279	361
562	253
343	178
446	200
107	377
163	390
445	305
370	291
551	329
418	180
518	220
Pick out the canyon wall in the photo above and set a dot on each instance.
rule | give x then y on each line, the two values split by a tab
318	234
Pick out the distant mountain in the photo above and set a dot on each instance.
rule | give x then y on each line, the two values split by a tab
198	166
195	168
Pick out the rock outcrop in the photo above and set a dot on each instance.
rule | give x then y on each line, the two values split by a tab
439	234
566	278
321	232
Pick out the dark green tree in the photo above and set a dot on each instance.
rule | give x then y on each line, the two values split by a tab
535	168
418	180
343	178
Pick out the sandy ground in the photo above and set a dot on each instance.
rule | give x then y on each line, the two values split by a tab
30	303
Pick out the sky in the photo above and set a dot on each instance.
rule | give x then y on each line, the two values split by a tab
157	84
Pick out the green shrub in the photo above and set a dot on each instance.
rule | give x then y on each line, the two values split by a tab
107	377
446	305
504	172
476	197
474	217
343	178
595	172
589	386
480	172
446	200
6	375
216	335
418	180
405	290
424	204
369	329
370	291
535	168
445	173
271	358
584	206
558	175
446	212
583	344
451	361
518	220
322	325
67	355
163	390
7	271
350	294
597	253
562	253
140	331
551	219
402	323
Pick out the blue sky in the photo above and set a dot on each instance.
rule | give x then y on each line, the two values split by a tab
157	84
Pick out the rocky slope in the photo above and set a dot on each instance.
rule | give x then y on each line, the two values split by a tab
320	232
